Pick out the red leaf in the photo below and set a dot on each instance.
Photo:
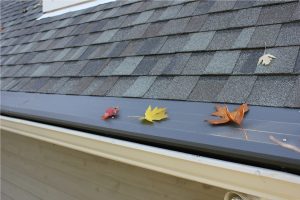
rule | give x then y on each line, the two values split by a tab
110	112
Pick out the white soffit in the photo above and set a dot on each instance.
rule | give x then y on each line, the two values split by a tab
53	8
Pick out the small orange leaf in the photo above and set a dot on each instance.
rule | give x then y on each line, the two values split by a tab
226	116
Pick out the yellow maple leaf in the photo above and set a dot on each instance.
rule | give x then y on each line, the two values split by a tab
265	59
156	114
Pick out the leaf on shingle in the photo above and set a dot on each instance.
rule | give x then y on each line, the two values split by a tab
155	114
265	59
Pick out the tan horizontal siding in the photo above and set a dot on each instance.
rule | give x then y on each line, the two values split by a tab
49	171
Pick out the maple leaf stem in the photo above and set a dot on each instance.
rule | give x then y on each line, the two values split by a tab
245	133
135	116
284	145
265	48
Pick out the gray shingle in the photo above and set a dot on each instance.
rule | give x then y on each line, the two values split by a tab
218	21
61	54
244	4
53	85
47	69
289	35
99	25
223	62
284	62
247	61
130	19
116	49
244	38
175	26
203	7
224	39
47	35
293	100
197	63
140	86
64	31
208	88
158	88
170	12
98	51
236	89
297	66
137	31
128	65
106	36
276	14
70	68
22	71
77	40
271	90
177	64
133	48
187	9
180	87
195	23
246	17
222	5
121	86
146	65
122	34
100	86
264	35
34	84
19	59
75	85
154	28
10	71
162	62
152	45
114	22
157	13
143	17
79	29
174	44
93	67
75	53
198	41
8	83
21	82
111	66
296	15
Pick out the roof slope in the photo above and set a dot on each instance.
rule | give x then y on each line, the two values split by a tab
185	50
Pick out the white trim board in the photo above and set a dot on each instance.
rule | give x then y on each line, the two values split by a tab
70	8
264	183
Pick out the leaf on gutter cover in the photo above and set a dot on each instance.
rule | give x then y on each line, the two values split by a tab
110	112
156	114
284	145
225	116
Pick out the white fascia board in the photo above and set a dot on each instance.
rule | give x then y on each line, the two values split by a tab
71	8
260	182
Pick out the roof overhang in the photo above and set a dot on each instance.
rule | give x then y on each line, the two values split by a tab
264	183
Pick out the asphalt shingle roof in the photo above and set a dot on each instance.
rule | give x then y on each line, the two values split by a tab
184	50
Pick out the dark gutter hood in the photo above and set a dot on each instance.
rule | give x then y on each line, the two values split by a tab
185	130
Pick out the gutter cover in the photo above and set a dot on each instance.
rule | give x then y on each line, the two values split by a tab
184	131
